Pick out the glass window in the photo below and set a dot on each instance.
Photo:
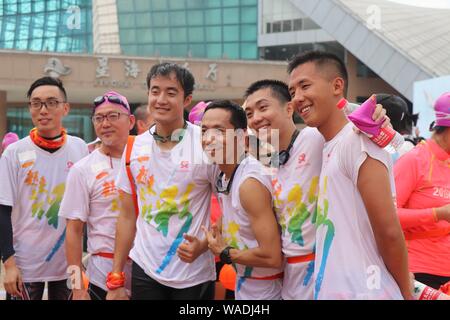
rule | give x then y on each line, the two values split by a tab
194	4
231	16
177	18
25	7
146	50
231	51
249	32
36	44
249	2
276	27
143	20
231	33
178	34
128	36
176	4
53	5
127	20
161	35
144	36
287	25
49	44
197	50
214	34
230	3
141	5
195	18
124	6
163	50
179	50
160	19
196	34
297	24
213	16
159	4
249	51
214	51
130	49
249	15
213	3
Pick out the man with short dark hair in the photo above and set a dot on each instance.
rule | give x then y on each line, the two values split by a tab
360	248
144	119
248	236
33	172
173	183
402	121
295	181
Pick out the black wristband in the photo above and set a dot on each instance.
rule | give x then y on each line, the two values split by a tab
225	255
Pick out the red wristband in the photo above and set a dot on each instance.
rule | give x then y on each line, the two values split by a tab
115	280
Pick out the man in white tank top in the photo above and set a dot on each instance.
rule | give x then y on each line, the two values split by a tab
360	248
249	237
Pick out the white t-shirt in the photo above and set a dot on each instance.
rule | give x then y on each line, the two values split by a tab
237	232
92	197
33	182
174	194
295	193
348	264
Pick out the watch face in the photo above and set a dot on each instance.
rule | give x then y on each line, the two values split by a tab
225	256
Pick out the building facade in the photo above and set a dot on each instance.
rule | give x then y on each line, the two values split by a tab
95	45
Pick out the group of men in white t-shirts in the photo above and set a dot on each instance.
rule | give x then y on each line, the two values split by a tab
313	223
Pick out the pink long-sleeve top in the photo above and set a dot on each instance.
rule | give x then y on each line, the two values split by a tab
422	179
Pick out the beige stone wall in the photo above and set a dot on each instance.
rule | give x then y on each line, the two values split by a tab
83	83
2	114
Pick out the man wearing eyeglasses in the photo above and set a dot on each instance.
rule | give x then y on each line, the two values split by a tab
174	186
249	237
92	197
33	173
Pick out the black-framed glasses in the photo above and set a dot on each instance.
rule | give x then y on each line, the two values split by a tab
111	117
49	104
113	99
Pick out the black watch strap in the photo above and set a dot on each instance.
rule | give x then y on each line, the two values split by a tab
225	255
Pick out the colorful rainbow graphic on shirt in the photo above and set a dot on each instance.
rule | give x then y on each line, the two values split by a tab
321	219
168	207
41	197
297	210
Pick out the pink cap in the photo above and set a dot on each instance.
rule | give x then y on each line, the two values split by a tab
122	98
196	114
442	109
9	138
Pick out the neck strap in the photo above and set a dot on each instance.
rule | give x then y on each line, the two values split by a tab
172	137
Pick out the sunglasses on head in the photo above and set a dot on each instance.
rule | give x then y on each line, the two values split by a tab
113	99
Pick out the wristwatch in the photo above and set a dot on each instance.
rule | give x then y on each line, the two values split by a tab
225	255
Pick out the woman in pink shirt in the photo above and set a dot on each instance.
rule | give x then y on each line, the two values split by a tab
422	178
